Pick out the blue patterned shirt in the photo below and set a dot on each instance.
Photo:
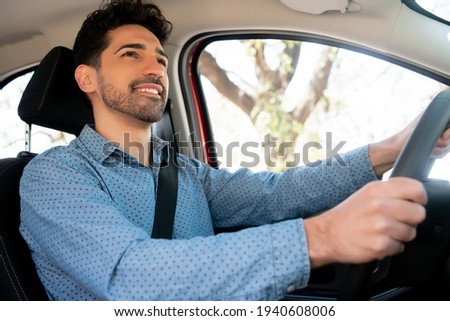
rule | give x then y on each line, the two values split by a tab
87	216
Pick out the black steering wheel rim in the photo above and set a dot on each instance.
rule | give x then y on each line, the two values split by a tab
414	162
414	159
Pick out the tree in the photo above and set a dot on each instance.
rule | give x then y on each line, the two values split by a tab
267	95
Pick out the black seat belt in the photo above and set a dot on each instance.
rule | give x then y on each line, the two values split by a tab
166	198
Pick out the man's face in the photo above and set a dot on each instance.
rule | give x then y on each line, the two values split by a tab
132	78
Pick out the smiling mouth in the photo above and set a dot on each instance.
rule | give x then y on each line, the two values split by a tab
149	89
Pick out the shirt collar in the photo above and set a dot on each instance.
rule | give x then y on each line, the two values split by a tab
160	150
105	152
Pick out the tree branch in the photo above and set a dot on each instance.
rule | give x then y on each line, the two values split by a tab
209	68
317	85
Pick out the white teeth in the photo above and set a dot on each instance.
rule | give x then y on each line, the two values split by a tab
148	90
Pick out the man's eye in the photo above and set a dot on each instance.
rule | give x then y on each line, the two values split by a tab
162	62
131	54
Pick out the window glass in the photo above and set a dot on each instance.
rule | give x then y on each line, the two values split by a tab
274	104
12	129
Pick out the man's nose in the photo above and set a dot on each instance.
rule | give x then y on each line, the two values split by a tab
155	68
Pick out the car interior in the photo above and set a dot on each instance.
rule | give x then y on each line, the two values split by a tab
53	100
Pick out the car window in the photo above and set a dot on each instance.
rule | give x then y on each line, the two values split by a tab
12	128
274	103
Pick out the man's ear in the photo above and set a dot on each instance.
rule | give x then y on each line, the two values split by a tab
86	78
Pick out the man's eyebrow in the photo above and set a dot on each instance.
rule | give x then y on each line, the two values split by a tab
132	46
141	46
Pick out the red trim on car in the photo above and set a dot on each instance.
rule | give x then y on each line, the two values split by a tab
198	107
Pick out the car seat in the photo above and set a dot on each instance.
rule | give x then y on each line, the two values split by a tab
51	99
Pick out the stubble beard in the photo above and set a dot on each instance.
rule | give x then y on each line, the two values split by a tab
141	107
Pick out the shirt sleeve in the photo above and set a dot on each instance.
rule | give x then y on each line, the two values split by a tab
245	198
85	248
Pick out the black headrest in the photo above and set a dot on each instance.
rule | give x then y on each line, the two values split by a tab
52	98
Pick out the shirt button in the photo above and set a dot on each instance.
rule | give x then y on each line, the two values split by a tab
291	288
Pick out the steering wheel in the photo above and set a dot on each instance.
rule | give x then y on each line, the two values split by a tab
429	250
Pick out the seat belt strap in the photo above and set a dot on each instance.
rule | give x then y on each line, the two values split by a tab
166	198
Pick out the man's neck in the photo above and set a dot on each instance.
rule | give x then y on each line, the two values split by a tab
132	135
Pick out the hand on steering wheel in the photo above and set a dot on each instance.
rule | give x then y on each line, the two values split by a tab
433	238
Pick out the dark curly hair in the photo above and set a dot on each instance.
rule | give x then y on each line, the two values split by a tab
92	38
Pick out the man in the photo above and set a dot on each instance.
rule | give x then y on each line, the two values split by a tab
88	208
